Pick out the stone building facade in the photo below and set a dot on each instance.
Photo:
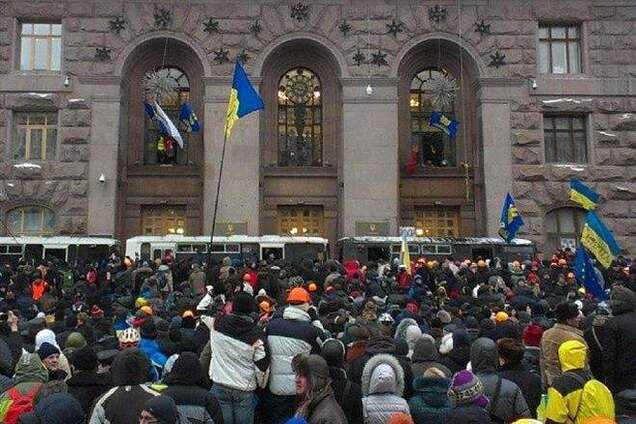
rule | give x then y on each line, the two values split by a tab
101	177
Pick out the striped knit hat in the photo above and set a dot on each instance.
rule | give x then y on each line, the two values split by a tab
466	389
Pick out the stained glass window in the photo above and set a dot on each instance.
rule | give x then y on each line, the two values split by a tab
155	152
299	119
435	147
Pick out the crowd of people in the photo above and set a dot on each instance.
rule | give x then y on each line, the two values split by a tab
449	340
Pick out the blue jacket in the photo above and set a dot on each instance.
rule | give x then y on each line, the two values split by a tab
150	348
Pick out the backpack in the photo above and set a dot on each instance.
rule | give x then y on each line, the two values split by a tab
20	403
588	390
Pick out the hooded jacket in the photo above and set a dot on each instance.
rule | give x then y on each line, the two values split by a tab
550	342
185	382
458	356
86	386
619	349
509	404
287	336
425	356
30	375
430	403
382	389
238	357
575	396
55	409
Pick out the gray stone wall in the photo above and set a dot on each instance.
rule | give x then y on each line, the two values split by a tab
605	91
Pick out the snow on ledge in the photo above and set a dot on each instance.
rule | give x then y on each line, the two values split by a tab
27	165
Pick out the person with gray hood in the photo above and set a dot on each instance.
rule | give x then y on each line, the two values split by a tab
382	389
425	356
507	403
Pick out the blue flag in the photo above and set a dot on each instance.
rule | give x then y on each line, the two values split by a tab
586	274
188	118
598	239
243	99
583	195
440	121
510	220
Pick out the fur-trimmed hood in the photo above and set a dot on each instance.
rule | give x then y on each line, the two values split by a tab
400	331
382	374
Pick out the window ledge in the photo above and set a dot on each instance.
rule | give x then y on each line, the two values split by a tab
164	170
300	171
435	172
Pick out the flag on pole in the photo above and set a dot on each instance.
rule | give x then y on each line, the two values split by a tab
599	240
243	99
510	220
583	195
405	256
188	118
586	275
166	124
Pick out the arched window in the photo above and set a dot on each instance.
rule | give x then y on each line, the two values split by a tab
563	227
31	221
435	147
299	119
154	146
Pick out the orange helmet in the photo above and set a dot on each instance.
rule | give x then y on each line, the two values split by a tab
298	295
312	287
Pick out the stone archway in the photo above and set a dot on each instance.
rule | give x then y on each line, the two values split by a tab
145	186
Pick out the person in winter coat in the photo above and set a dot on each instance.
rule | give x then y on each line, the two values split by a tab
48	336
468	402
382	389
532	335
197	280
348	394
86	384
56	408
238	360
506	400
430	403
160	410
455	350
185	385
568	318
318	404
619	347
10	344
511	368
130	370
30	376
425	356
50	356
288	335
149	346
574	397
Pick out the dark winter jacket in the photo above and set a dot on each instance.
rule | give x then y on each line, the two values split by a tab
430	403
531	359
185	382
55	408
348	395
425	356
86	386
509	404
529	383
619	349
594	337
467	414
325	410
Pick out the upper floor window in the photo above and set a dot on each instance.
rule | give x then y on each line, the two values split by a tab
35	135
563	227
40	46
432	221
31	221
564	138
299	119
435	147
559	49
158	149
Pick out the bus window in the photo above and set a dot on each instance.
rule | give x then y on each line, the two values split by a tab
272	252
145	251
156	254
376	253
33	252
483	252
217	248
232	248
14	250
444	249
55	253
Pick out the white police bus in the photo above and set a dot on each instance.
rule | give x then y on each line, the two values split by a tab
64	248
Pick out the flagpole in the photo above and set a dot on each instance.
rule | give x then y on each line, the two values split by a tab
216	200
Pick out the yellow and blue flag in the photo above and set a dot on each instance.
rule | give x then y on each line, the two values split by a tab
510	220
586	274
440	121
599	240
188	119
583	195
243	99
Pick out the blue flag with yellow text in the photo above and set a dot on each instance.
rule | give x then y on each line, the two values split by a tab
510	220
583	195
243	99
188	119
586	275
599	240
439	120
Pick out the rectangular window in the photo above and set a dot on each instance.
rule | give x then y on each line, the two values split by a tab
565	139
35	135
301	220
559	49
433	221
163	220
40	46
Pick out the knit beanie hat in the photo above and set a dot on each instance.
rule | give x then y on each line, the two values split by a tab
75	340
47	349
444	316
84	359
467	389
163	409
532	335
